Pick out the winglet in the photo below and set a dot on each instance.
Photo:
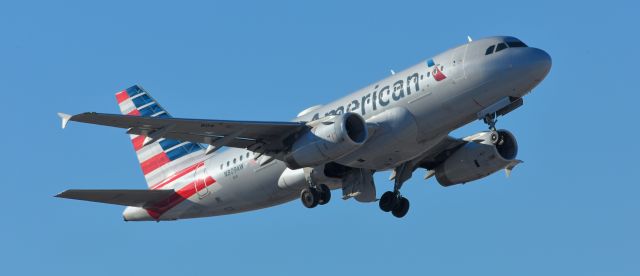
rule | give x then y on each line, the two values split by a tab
510	167
65	118
469	39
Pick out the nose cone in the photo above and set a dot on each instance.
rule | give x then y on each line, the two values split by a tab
539	63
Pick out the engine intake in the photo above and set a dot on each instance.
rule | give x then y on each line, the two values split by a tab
328	139
484	154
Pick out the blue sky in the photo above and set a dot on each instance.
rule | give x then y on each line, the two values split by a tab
571	208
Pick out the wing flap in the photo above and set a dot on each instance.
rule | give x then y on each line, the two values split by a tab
138	198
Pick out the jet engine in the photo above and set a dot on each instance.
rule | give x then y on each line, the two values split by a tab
328	139
484	154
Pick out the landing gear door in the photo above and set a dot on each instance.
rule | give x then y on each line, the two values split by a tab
359	184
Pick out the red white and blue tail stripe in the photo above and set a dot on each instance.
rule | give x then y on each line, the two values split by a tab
163	159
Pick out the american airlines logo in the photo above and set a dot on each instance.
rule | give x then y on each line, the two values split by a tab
383	96
436	70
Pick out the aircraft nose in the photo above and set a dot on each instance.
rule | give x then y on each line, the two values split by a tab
539	63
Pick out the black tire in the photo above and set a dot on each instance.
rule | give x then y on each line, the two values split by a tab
387	201
325	194
401	209
309	198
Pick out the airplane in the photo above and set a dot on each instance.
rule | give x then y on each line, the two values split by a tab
399	124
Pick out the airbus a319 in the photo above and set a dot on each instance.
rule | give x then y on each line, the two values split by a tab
398	124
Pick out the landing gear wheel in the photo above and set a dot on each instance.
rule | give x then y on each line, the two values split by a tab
495	137
401	208
325	194
387	201
309	197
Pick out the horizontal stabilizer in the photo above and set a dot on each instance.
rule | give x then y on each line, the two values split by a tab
138	198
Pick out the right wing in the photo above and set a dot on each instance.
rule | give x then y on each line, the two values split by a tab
428	160
262	137
437	154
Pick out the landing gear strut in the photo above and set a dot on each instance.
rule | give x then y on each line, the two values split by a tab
314	195
393	201
491	120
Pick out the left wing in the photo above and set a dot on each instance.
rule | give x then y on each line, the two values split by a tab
264	137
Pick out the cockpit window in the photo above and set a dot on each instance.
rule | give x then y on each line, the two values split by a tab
490	50
515	44
500	47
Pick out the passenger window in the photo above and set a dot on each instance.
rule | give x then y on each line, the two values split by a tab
247	155
228	163
240	158
516	44
234	160
501	47
490	50
221	166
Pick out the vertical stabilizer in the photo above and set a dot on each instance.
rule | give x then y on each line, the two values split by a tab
162	160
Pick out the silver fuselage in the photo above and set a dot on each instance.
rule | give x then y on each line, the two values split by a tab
413	109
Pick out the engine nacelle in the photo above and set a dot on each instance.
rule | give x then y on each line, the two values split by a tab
328	139
484	154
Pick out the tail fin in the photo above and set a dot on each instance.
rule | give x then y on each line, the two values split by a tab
164	160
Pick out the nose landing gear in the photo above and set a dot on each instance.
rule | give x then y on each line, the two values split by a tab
491	120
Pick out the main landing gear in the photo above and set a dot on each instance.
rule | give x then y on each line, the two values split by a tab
314	195
393	201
